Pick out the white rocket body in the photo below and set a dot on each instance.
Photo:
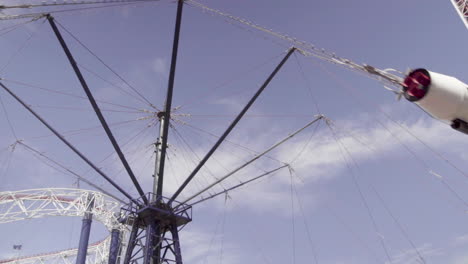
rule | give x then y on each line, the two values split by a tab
444	97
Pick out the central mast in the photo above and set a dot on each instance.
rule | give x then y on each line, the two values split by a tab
154	238
165	116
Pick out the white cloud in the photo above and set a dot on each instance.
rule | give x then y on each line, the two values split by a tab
203	247
461	239
160	66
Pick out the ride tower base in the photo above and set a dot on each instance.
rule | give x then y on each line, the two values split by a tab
154	236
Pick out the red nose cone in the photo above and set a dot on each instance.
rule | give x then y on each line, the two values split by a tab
416	84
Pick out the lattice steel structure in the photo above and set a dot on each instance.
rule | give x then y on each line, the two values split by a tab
462	9
39	203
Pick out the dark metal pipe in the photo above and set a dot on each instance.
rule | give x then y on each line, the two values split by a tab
96	107
132	241
168	105
114	246
85	231
176	241
231	127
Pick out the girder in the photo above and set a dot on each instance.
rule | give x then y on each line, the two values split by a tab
462	9
38	203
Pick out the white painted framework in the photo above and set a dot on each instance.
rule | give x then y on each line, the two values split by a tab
462	9
38	203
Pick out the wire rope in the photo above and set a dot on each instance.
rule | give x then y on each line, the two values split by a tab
293	218
255	158
12	28
398	224
219	163
350	89
197	158
107	66
65	93
39	15
203	95
305	48
80	131
344	150
353	233
10	125
190	159
64	3
239	185
301	209
65	170
19	50
251	151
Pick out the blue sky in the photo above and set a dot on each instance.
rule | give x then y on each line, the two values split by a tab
220	66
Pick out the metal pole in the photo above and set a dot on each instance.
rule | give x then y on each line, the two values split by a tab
176	241
85	230
132	241
170	88
232	125
157	161
151	253
114	246
100	116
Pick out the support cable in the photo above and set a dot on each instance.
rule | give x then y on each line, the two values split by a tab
229	141
253	159
220	164
64	3
19	50
307	49
354	233
361	194
11	28
96	108
83	157
421	162
192	151
233	124
79	177
143	100
79	131
293	220
301	209
239	185
67	94
398	224
407	130
43	14
245	71
107	66
8	119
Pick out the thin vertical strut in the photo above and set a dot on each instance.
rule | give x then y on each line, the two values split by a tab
233	124
176	241
95	107
85	231
114	246
170	88
132	240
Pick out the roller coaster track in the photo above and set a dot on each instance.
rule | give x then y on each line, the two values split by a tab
39	203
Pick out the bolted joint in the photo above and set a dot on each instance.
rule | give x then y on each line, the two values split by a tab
160	114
